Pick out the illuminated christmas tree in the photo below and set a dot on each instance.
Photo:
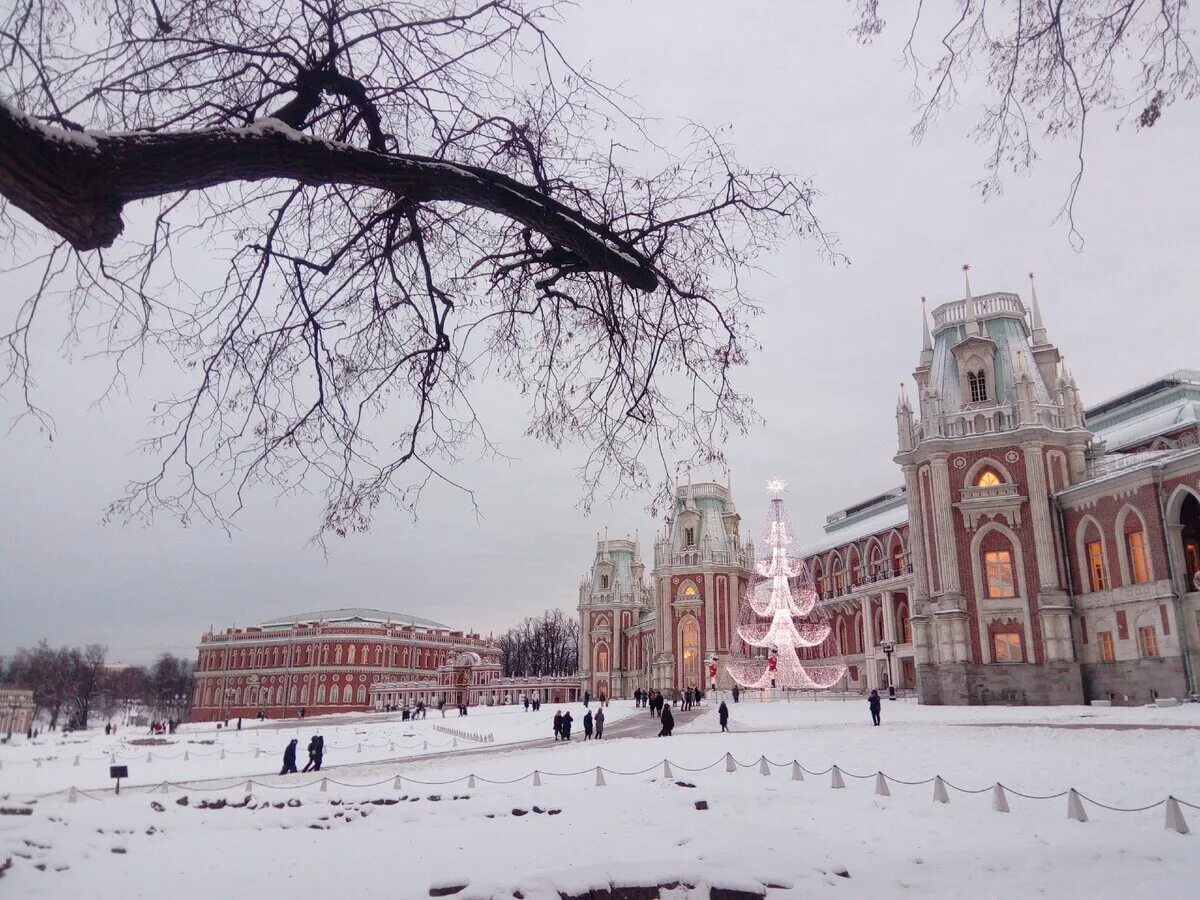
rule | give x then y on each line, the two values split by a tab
780	614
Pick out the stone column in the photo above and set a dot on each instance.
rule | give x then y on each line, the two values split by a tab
666	620
943	515
710	616
889	616
869	639
1039	508
916	535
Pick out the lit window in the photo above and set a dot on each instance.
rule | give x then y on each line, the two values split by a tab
998	574
602	658
1006	647
691	647
689	590
1148	640
1106	646
988	478
1139	569
1096	575
904	626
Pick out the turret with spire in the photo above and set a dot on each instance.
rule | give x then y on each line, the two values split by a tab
904	421
969	312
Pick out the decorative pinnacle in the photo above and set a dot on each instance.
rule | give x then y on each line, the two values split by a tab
777	486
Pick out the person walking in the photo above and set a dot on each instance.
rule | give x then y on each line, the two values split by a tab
668	722
320	753
599	724
873	703
587	725
637	698
312	754
558	725
566	725
289	758
723	716
736	692
587	698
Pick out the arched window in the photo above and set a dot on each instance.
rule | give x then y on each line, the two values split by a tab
977	384
1096	568
1138	555
843	643
903	625
321	693
604	582
304	695
292	695
378	656
691	647
689	537
602	658
337	655
362	693
988	478
998	577
879	635
350	654
689	591
324	654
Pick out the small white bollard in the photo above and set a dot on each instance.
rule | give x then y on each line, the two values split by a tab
1175	820
999	798
391	748
185	756
1075	808
112	759
939	790
537	778
39	763
249	786
222	753
599	777
324	785
426	747
471	781
396	784
835	780
881	786
71	796
257	752
360	748
164	789
149	757
76	761
797	771
667	770
764	767
730	765
453	742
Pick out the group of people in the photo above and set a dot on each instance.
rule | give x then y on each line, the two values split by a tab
156	727
562	725
587	698
534	703
316	755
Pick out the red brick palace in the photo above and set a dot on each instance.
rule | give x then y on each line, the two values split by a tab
328	661
1037	552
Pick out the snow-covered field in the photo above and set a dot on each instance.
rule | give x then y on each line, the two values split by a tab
504	835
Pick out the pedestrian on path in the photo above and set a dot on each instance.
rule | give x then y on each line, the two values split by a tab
599	724
668	722
289	758
723	715
587	725
566	725
312	754
873	703
558	725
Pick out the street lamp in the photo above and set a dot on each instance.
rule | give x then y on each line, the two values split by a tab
888	648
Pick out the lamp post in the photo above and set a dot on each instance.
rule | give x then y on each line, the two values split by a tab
888	648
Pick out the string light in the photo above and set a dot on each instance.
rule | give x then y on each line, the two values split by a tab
780	612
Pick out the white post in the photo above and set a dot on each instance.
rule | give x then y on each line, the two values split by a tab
939	790
1175	820
71	798
797	772
881	786
599	777
396	784
764	767
1075	808
471	781
730	765
537	778
249	786
999	799
836	780
667	770
324	785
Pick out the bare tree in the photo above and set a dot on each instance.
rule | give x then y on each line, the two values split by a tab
398	199
546	646
1049	65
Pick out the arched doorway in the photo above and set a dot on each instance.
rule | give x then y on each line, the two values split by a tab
689	653
1189	528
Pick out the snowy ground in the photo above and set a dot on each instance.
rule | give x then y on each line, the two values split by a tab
645	828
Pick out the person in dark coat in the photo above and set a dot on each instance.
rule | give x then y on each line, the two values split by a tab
312	754
587	725
599	724
289	758
873	702
558	725
637	698
320	753
668	722
723	715
736	692
587	697
566	725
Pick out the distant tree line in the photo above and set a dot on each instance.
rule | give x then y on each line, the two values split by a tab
73	685
541	646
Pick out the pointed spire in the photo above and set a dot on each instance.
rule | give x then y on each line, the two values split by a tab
1039	329
926	340
969	313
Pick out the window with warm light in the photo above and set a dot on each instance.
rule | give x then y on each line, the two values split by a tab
691	646
1104	638
1006	647
1097	578
903	626
1135	546
602	658
1148	640
689	590
988	478
999	580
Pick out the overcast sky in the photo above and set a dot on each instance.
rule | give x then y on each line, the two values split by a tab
800	95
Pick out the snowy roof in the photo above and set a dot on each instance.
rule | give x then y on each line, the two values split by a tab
1165	419
889	516
351	615
1113	464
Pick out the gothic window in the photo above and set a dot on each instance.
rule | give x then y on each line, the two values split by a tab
998	574
365	653
604	582
335	694
1106	646
1006	647
689	591
1135	546
843	644
988	478
321	693
977	383
897	558
1097	577
362	693
350	656
602	658
879	635
292	695
903	626
1148	641
325	654
691	647
337	655
689	537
